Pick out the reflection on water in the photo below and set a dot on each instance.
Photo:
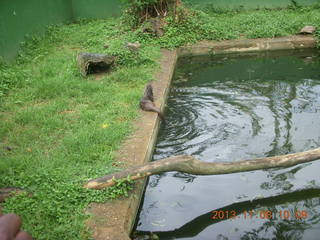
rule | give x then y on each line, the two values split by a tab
232	108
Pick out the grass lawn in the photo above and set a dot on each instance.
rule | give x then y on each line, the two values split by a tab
64	129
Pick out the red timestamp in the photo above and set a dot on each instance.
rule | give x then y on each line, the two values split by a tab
261	214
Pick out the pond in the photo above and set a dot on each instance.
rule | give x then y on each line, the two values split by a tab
236	107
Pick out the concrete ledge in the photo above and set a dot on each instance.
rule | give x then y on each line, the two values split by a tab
248	45
114	220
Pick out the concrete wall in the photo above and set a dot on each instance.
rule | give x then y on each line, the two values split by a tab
21	17
96	8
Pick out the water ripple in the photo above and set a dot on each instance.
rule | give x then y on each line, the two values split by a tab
211	121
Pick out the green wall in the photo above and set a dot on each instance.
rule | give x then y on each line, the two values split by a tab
21	17
95	8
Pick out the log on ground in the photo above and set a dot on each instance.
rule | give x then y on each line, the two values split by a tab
189	164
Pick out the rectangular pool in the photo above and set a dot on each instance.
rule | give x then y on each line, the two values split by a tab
234	107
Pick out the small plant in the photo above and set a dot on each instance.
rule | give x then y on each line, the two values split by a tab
54	208
121	188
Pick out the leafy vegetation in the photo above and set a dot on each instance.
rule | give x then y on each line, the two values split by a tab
62	129
196	25
143	10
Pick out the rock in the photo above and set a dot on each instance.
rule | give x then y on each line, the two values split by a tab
134	46
307	30
89	63
8	148
154	236
154	26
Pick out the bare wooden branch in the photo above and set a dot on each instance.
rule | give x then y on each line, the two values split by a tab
189	164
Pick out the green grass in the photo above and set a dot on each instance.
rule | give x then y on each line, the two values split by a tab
64	129
197	25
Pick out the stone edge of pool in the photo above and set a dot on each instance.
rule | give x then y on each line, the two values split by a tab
115	219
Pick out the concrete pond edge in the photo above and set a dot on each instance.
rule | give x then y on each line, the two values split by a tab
115	219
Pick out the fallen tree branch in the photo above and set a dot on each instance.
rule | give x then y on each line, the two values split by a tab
189	164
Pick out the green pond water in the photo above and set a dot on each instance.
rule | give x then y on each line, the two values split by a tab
234	107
